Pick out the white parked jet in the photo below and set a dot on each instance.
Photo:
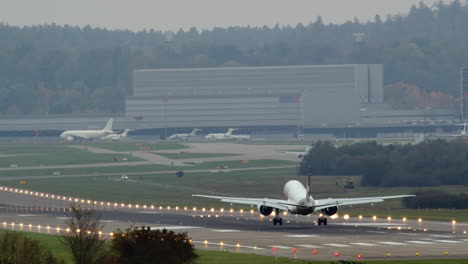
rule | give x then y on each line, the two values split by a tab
185	136
70	135
300	155
299	201
116	136
227	135
462	132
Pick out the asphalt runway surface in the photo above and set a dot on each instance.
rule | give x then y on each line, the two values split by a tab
249	232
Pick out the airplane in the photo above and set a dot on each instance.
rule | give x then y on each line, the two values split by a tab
185	136
116	136
300	155
227	135
71	135
462	132
299	201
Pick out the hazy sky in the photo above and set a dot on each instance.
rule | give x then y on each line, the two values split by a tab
175	14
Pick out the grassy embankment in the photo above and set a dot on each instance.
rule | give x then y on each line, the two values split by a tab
219	257
50	154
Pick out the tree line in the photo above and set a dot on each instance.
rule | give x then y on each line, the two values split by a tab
430	163
437	199
51	69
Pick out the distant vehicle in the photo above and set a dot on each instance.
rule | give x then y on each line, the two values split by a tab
117	136
71	135
185	136
227	135
349	184
299	201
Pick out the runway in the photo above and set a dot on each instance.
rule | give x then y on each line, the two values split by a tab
248	232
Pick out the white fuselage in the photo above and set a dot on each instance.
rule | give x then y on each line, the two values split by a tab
182	136
300	155
115	136
221	136
71	135
296	193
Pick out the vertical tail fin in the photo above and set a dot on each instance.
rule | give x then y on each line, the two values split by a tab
108	126
229	132
194	132
125	133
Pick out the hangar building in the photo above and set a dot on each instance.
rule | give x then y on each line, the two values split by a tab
307	96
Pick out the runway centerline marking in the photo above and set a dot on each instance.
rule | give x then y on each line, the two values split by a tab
409	234
442	236
302	236
309	246
225	230
447	241
393	243
336	245
280	247
365	244
420	242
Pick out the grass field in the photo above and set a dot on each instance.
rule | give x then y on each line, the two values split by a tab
48	154
118	168
165	189
155	187
189	155
137	145
219	257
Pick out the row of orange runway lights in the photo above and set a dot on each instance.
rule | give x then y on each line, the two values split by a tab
137	206
205	242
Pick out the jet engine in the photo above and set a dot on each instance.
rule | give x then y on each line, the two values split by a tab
330	210
300	155
265	210
70	138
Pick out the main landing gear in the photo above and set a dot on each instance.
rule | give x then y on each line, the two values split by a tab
277	219
322	220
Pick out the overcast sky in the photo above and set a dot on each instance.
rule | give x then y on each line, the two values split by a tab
204	14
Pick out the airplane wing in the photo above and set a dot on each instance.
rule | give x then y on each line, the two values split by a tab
275	203
330	202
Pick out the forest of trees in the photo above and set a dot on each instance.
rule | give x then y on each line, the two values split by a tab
392	165
51	69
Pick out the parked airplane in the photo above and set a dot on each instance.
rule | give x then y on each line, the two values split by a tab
116	136
300	155
185	136
227	135
462	132
299	201
70	135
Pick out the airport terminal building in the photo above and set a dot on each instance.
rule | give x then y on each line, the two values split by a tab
285	96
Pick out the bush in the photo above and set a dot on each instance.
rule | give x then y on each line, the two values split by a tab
143	245
83	240
18	249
